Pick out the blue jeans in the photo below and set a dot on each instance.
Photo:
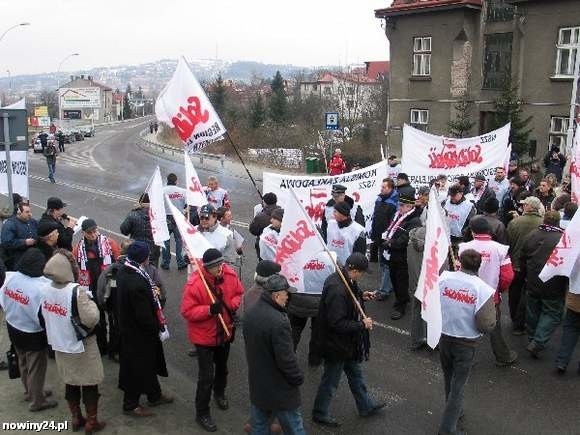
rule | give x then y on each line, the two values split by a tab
543	316
456	362
329	383
51	170
386	285
166	254
570	335
291	421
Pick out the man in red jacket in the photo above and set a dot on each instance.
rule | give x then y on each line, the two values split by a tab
337	165
206	332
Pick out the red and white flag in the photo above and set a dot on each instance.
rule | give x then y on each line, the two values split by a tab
298	243
157	209
195	195
183	105
565	257
575	166
195	243
434	256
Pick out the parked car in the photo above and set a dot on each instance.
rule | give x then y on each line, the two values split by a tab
88	131
78	135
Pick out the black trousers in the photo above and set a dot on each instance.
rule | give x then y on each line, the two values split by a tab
517	301
212	375
131	399
400	277
90	393
101	332
298	324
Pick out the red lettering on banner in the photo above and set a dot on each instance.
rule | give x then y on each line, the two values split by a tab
460	295
314	265
151	220
195	185
432	272
293	241
555	259
318	195
315	212
17	296
574	170
337	243
191	229
175	195
356	196
453	216
186	120
57	309
450	157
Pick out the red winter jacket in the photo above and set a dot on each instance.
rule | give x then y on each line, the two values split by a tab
336	166
204	328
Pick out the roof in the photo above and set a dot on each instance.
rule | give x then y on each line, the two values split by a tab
85	83
402	7
376	68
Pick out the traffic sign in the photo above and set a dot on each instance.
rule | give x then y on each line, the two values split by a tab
331	120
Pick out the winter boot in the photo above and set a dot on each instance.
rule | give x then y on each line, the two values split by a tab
78	420
92	425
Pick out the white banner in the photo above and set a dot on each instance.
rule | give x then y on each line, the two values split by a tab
183	105
19	160
575	166
565	257
79	98
194	242
20	104
157	209
434	256
362	186
425	155
195	195
300	247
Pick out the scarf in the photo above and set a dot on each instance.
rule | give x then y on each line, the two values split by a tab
163	331
395	224
104	251
478	193
550	228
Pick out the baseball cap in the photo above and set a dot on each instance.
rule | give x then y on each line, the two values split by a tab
206	210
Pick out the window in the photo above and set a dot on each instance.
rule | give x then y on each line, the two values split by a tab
314	87
497	60
567	47
422	56
420	118
499	10
558	130
327	90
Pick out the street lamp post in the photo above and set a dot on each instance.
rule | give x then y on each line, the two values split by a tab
58	80
13	27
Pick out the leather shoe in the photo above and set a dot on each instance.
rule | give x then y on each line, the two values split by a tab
376	408
183	266
163	400
46	405
207	423
326	421
139	412
222	402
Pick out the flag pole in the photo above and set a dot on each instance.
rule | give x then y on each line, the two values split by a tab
243	163
338	269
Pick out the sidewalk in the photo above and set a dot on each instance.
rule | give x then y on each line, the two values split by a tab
176	418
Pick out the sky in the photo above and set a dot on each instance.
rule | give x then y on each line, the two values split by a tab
117	32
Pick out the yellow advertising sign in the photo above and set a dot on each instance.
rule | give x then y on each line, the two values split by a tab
41	111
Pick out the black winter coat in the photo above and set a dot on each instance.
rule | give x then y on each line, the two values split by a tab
273	371
400	240
385	209
303	305
65	234
339	326
262	220
533	257
141	356
487	194
406	190
137	225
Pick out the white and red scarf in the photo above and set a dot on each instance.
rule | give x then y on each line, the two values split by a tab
161	320
105	252
396	223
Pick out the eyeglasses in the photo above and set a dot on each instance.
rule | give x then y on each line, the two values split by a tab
204	218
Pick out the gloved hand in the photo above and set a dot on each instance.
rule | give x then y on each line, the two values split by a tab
215	308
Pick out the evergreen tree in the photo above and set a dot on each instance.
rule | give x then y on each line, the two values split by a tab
127	111
217	95
462	124
278	103
257	112
508	108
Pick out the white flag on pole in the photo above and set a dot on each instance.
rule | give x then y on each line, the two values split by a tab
157	209
507	158
183	105
194	242
298	243
195	195
575	166
565	257
435	255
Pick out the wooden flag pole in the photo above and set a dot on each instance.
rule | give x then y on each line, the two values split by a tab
244	164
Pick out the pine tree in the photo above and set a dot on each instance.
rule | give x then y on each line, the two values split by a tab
217	95
127	111
257	112
508	108
278	103
462	124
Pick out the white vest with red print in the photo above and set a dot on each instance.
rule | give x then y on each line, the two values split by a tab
217	198
269	243
457	215
462	296
316	271
493	256
20	298
341	240
177	197
57	312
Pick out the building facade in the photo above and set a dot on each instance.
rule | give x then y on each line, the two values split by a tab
445	51
85	99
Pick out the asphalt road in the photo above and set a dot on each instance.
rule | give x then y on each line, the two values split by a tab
102	177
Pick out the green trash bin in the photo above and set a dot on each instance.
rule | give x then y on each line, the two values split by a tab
310	162
315	165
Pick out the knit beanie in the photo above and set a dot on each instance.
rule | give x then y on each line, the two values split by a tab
212	257
31	263
343	208
138	251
